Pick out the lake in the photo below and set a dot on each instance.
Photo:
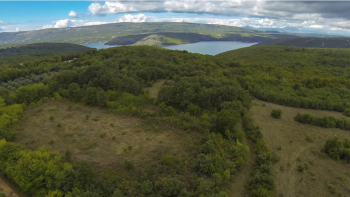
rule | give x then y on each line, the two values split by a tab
210	48
99	45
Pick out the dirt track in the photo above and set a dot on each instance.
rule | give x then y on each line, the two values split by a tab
6	189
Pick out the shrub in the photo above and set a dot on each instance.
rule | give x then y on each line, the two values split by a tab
276	113
347	112
146	187
327	121
301	168
59	124
102	135
331	188
338	149
129	165
169	186
308	138
52	118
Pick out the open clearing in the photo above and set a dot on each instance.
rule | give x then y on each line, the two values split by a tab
93	134
287	139
153	91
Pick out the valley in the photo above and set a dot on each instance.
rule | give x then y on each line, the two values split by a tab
148	121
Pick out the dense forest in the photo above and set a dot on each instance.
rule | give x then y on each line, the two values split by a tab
311	42
291	76
208	95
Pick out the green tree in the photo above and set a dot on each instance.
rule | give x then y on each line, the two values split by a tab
146	187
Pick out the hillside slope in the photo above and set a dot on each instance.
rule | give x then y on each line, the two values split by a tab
311	42
42	49
107	32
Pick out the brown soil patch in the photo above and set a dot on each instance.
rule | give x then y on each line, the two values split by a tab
9	189
106	142
287	139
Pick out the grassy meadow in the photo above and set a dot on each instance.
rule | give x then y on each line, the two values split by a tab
302	169
97	136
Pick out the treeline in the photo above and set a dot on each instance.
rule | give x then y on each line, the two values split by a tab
338	149
9	116
327	121
261	183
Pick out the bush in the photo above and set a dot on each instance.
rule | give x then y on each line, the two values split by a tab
276	113
347	112
129	165
327	121
146	187
169	186
338	149
331	188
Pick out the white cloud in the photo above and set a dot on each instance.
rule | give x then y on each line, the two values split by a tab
316	26
133	18
73	14
47	26
73	23
109	8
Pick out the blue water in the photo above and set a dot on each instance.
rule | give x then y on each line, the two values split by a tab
210	48
99	45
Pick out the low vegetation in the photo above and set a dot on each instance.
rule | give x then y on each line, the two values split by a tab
338	149
302	167
327	122
276	113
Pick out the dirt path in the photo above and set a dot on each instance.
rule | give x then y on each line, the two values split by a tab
6	188
292	174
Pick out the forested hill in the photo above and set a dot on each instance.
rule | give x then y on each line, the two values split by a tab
313	42
19	54
292	76
42	49
107	32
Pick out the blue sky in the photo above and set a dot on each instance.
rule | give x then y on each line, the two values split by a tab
326	17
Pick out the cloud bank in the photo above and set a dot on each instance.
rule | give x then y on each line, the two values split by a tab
305	14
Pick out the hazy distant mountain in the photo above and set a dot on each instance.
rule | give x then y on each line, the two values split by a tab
108	32
311	42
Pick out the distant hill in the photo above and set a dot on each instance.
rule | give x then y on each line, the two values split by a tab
311	42
182	38
42	49
16	55
108	32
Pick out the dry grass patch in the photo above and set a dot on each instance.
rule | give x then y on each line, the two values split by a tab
97	136
153	91
302	168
